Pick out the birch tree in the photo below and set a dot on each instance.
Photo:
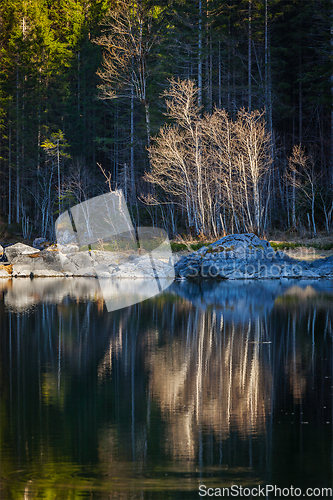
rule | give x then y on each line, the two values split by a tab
304	178
214	167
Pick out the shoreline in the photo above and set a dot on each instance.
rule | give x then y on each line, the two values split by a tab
233	257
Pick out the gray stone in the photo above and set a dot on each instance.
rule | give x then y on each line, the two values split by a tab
66	237
47	273
81	260
71	248
39	243
48	263
21	271
18	249
88	272
245	256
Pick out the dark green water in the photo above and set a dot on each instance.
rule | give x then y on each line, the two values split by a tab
205	384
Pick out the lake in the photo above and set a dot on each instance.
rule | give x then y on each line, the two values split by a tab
205	385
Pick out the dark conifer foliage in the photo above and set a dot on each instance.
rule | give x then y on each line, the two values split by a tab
272	55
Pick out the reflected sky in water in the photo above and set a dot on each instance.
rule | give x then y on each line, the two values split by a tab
207	383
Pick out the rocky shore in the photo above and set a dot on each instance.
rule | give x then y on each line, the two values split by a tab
245	256
239	256
23	261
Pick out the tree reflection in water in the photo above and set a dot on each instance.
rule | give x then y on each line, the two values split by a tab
206	380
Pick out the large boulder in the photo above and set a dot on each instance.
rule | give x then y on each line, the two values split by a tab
245	256
47	263
323	267
53	263
17	250
131	265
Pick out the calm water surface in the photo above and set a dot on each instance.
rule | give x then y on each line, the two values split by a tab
214	384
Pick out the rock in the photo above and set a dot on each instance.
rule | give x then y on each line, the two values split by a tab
47	273
5	271
66	237
68	249
81	259
39	243
86	272
3	257
240	246
245	256
131	265
18	249
323	267
49	262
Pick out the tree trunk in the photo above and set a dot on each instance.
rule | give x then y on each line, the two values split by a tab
220	79
200	55
78	86
132	141
313	212
249	57
147	122
268	98
9	171
59	181
17	146
332	98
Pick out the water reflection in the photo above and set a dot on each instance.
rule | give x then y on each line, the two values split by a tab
216	379
213	382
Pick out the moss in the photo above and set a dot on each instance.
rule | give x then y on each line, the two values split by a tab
284	245
178	247
197	246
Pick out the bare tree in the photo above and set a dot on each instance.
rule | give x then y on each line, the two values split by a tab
78	185
303	177
215	168
253	146
177	156
131	31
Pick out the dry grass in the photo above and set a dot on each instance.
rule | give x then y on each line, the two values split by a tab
7	268
288	237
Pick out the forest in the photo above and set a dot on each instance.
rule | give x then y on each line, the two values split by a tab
213	116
